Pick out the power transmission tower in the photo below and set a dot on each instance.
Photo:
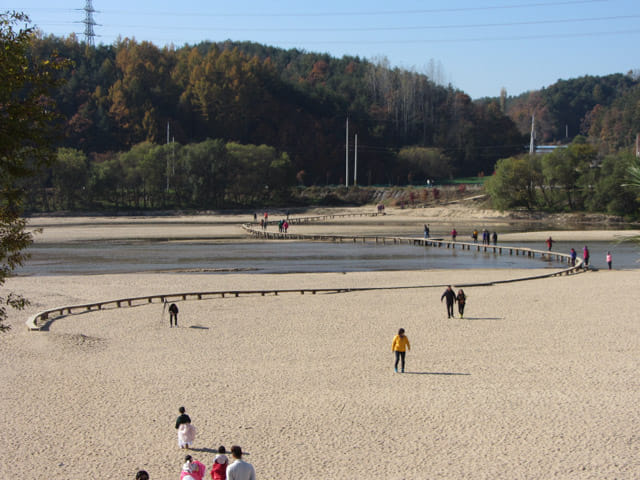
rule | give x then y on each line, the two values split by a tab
89	22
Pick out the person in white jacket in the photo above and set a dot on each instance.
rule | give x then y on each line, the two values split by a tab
239	469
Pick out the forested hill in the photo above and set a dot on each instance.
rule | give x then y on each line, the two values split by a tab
117	96
606	109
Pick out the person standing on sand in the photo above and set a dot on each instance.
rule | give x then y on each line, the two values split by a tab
399	346
461	298
220	464
450	296
585	256
186	431
239	469
173	315
609	260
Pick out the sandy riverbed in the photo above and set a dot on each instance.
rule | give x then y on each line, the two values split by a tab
539	380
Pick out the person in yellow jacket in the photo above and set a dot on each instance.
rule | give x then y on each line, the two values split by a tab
400	345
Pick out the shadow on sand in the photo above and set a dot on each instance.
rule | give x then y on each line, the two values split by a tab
478	318
202	450
435	373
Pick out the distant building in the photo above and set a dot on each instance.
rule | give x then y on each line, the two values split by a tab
544	149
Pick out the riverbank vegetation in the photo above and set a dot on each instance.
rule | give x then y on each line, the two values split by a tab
574	178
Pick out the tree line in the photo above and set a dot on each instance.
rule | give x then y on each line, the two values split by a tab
211	174
117	96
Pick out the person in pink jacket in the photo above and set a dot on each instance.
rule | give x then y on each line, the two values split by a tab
192	468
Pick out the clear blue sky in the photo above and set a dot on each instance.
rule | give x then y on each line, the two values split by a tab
479	45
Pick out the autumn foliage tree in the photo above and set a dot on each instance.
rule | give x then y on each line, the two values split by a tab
27	135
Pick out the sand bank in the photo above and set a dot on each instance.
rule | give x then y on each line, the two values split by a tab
538	381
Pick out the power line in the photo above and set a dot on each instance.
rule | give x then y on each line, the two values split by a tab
346	13
380	29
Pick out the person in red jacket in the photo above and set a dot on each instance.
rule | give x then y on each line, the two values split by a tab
220	464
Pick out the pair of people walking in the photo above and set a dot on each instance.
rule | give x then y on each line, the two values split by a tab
451	298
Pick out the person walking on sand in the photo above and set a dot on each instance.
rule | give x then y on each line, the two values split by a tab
239	469
173	315
186	431
450	297
461	298
399	346
609	260
192	469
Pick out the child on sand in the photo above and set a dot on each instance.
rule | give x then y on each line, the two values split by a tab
186	431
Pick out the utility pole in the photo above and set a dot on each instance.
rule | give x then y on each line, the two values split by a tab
355	163
532	147
167	158
346	159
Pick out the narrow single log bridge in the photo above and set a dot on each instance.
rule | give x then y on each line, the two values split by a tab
37	321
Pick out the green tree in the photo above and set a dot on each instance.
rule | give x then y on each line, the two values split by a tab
514	183
608	193
27	135
564	168
70	177
205	166
426	163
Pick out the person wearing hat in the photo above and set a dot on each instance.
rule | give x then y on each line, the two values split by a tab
220	464
239	469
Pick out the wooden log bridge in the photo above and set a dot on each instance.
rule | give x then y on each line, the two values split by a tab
38	320
420	242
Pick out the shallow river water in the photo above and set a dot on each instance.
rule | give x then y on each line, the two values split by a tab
124	256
